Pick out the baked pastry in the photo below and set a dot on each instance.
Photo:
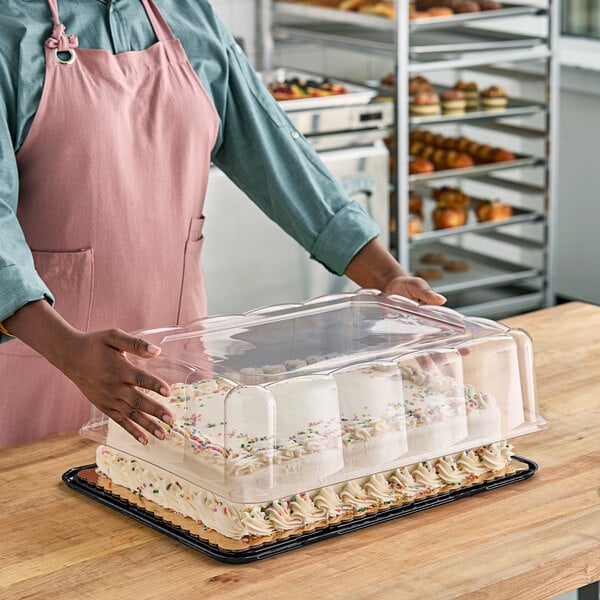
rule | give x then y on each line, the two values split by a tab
419	14
415	225
426	4
502	155
419	165
427	152
445	217
418	83
382	8
451	196
453	102
416	148
489	5
440	11
388	80
458	160
469	89
484	154
492	210
433	258
429	274
493	98
467	6
415	203
456	266
350	4
439	159
424	104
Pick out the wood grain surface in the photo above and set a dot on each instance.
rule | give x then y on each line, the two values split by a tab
532	540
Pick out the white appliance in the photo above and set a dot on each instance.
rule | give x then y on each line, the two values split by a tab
250	262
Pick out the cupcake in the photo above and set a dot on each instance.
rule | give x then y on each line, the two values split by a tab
424	104
494	98
469	89
453	102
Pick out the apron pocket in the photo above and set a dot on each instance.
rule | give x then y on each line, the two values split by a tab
69	276
192	300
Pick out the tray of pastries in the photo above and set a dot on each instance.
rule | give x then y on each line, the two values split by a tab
301	90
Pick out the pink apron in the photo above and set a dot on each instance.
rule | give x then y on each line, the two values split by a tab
113	175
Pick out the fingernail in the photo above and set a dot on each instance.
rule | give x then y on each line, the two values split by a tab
165	391
142	440
153	349
159	433
168	419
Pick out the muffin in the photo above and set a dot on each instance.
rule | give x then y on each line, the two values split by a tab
494	98
424	104
453	102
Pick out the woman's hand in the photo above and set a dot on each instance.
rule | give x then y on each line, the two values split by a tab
374	267
415	288
97	364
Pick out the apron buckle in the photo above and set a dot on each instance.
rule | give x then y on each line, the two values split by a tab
64	61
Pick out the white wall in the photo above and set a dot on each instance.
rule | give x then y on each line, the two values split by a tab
578	219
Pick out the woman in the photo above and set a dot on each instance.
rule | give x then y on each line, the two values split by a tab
111	113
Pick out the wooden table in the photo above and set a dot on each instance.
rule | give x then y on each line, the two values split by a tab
534	539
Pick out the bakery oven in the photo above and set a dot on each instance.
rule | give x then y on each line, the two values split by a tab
248	260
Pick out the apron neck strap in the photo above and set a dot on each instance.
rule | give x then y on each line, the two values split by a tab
59	40
161	28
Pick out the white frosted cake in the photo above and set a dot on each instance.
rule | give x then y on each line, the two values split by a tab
238	526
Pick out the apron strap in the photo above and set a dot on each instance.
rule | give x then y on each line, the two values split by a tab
59	40
161	28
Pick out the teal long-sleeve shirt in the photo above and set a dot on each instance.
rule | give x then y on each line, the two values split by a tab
257	146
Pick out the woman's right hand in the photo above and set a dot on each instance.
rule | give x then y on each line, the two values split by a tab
97	364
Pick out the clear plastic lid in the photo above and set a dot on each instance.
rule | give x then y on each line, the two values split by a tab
290	398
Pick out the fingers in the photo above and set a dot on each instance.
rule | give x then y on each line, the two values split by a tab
421	290
415	288
120	340
139	414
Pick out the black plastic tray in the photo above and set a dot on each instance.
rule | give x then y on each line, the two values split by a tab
73	479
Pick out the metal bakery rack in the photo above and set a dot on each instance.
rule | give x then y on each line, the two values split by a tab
514	47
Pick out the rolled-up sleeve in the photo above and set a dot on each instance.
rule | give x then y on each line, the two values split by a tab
19	281
264	155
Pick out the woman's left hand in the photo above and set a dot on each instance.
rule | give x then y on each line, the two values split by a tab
374	267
